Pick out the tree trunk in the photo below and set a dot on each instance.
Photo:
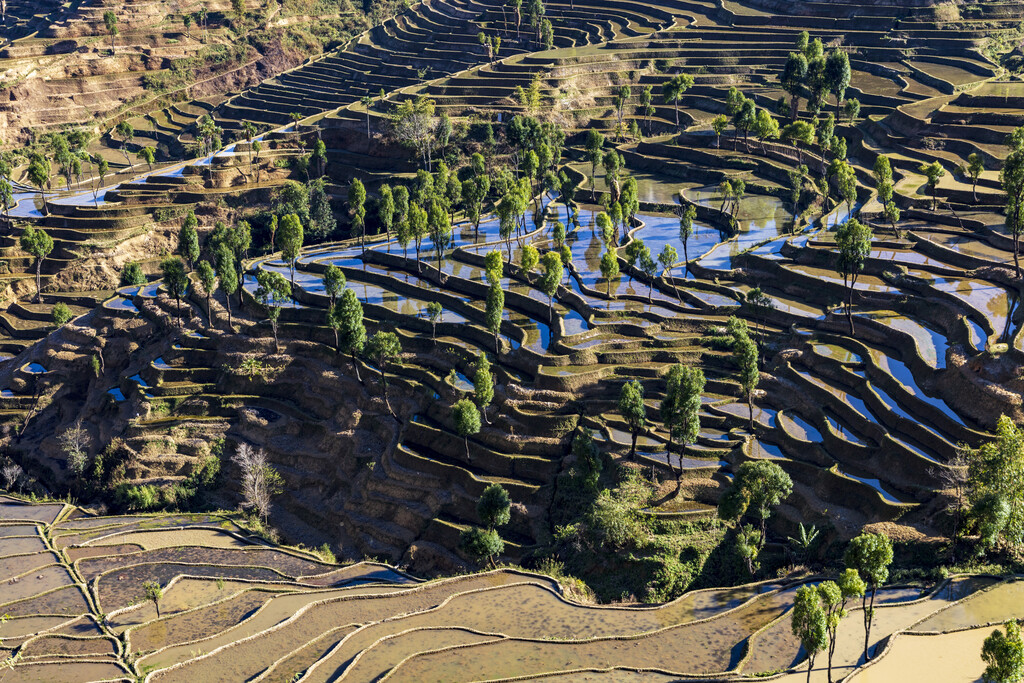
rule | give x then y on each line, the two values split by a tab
39	278
156	603
1016	253
849	309
810	667
209	309
468	458
676	105
277	345
355	367
632	450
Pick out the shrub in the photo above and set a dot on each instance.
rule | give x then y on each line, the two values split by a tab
137	498
61	314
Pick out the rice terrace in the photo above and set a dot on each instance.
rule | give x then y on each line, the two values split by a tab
492	340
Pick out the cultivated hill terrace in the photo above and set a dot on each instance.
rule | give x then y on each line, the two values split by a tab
687	303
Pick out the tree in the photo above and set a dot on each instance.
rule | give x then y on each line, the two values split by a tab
633	409
110	21
414	124
188	240
667	259
646	96
1012	179
745	118
809	624
854	243
350	329
609	268
494	312
759	485
39	175
933	172
622	95
834	596
321	215
224	261
680	408
745	355
271	290
440	231
481	543
147	154
208	279
794	73
594	153
418	224
975	167
259	480
494	508
1003	654
767	128
386	209
719	124
36	243
384	347
357	209
153	594
551	278
852	109
649	267
74	443
748	546
995	483
466	417
797	132
483	385
127	133
132	275
367	100
674	89
434	312
837	75
870	555
290	236
334	283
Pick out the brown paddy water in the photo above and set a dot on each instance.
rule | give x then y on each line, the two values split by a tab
18	530
19	545
26	626
702	647
34	583
189	626
172	538
279	609
63	646
388	653
12	509
301	659
776	648
86	552
998	604
63	601
67	672
19	564
949	658
245	659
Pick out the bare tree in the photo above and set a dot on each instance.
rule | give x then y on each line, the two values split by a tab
260	481
74	443
954	483
12	474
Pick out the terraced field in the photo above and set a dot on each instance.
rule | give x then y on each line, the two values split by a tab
864	398
234	607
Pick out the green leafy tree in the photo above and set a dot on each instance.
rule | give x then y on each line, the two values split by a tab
797	132
386	209
870	555
271	290
154	594
39	175
208	280
61	314
334	283
37	244
680	408
809	624
748	547
975	167
634	411
188	240
759	486
357	210
853	241
224	260
852	110
147	154
494	312
933	172
745	355
175	280
834	596
719	124
1003	654
995	484
551	278
483	385
766	127
110	22
290	237
594	153
794	73
132	275
609	269
1012	179
434	312
673	90
667	259
351	330
837	75
127	133
466	417
482	544
384	347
